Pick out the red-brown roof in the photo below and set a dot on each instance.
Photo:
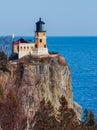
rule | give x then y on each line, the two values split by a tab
21	40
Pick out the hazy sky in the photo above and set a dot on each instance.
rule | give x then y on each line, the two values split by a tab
62	17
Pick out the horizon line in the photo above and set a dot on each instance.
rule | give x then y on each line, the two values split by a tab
52	35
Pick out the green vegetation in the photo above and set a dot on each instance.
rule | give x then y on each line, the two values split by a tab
66	115
3	58
89	119
46	120
4	68
65	120
4	62
45	117
43	60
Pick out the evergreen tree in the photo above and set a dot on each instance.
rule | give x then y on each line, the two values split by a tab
3	62
3	58
66	115
91	120
86	116
45	117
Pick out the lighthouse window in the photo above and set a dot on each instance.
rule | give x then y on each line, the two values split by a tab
40	40
17	48
44	46
35	46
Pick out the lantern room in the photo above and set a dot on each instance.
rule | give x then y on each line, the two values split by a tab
40	26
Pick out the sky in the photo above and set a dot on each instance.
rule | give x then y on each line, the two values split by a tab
61	17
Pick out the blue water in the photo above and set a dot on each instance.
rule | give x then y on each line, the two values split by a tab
81	55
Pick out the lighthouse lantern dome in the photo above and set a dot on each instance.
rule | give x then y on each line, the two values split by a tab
40	26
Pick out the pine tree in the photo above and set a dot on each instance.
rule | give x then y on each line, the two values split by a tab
66	115
91	120
86	116
45	117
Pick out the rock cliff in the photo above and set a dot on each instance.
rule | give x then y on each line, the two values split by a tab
36	77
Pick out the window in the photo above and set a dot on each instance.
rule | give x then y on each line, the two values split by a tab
31	48
36	46
27	48
17	48
44	46
24	47
40	40
21	47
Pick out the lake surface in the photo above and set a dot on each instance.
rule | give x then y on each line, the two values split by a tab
81	55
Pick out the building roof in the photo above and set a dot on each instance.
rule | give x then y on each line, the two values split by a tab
21	40
40	21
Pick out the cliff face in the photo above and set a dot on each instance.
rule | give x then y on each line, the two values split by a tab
35	78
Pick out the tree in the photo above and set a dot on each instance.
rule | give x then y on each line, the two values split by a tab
86	116
3	58
45	117
66	116
3	62
91	121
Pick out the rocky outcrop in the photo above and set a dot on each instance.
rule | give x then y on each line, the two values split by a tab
34	78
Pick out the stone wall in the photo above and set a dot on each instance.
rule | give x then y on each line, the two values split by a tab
25	49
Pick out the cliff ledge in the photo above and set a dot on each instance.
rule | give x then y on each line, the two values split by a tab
34	78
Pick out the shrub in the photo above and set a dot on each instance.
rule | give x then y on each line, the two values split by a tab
3	57
89	118
42	60
4	68
3	62
45	118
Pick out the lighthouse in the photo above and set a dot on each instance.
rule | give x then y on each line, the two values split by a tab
23	47
40	47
